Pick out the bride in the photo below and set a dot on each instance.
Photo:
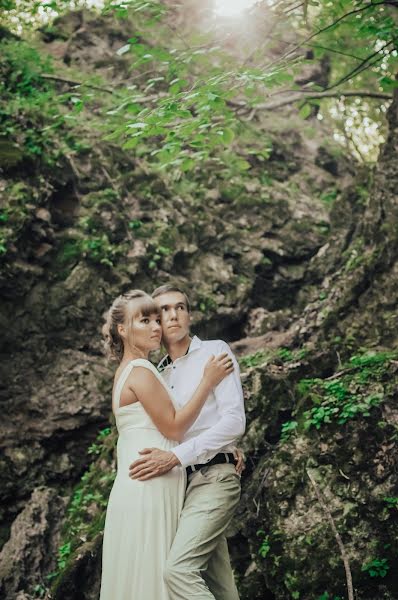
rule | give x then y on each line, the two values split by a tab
142	516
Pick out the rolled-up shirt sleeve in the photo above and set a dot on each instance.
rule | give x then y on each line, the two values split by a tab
229	427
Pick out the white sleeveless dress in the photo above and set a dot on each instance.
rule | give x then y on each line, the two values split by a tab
142	516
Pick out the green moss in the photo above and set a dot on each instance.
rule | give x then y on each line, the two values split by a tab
100	198
18	203
87	507
95	248
267	356
354	255
329	196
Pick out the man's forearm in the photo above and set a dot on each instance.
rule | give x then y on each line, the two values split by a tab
227	431
174	460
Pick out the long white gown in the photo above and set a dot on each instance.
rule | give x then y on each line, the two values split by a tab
142	516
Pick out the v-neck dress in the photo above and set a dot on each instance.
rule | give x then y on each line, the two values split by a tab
142	516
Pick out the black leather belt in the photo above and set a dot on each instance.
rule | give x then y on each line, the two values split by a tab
218	459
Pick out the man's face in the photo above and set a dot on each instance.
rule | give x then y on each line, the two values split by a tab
175	317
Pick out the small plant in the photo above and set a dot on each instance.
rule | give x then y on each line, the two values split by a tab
155	256
329	196
207	304
354	257
70	251
104	433
377	567
39	590
135	224
357	407
253	360
392	502
265	544
305	385
287	429
4	216
97	446
285	354
319	415
63	554
94	449
372	359
349	394
340	407
100	250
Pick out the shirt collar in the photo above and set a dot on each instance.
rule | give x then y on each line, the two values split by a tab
166	361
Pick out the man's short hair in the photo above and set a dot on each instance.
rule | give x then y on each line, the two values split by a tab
170	287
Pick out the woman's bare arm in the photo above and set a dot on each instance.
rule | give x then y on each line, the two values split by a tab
157	402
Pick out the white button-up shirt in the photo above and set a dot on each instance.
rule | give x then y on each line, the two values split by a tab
222	419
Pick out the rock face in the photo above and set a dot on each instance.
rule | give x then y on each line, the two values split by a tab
297	285
32	548
351	456
342	429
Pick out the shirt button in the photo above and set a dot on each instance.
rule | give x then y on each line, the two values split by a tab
172	387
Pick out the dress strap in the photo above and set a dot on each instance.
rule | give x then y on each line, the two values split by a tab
142	362
137	362
120	384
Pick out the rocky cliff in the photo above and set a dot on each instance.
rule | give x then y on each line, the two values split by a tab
292	261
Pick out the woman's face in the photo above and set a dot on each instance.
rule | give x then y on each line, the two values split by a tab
143	333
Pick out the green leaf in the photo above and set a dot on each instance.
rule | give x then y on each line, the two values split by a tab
137	125
243	165
387	83
305	111
187	164
228	136
131	143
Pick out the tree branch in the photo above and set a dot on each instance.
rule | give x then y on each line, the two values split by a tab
364	64
334	51
348	14
323	29
307	94
71	82
293	8
339	541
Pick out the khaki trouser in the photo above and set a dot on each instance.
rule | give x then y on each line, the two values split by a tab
198	565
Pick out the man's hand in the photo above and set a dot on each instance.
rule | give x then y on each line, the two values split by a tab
240	460
155	462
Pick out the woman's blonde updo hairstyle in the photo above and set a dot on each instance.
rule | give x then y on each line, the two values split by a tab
117	314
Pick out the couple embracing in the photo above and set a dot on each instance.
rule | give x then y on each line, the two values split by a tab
177	483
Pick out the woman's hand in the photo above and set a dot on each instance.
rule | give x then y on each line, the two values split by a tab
217	368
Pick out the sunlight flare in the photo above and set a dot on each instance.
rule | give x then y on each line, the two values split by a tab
232	8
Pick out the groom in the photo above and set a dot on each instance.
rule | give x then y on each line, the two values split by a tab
198	565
